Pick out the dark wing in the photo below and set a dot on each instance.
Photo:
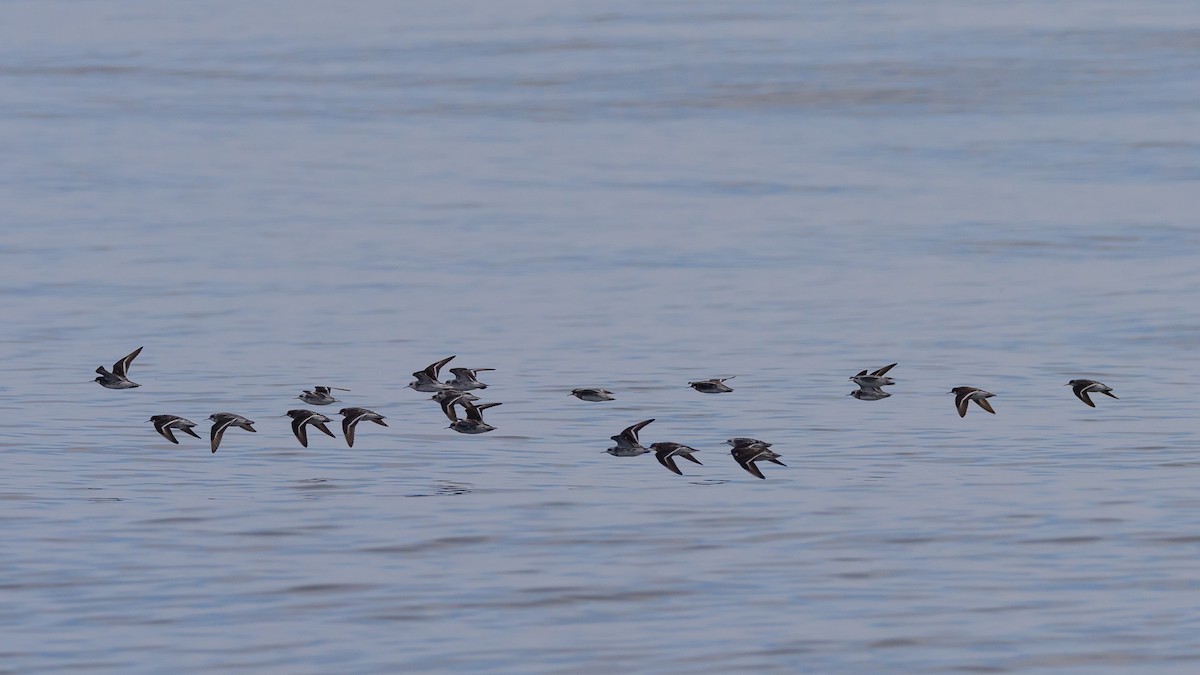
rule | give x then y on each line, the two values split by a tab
690	458
749	465
480	408
630	434
120	368
348	423
861	373
472	411
218	430
1081	392
961	401
433	369
160	425
298	429
983	403
883	370
189	432
447	404
665	458
322	427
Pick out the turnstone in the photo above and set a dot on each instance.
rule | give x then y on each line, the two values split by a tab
875	379
1083	387
964	395
743	441
427	379
320	395
302	418
351	418
163	424
222	421
627	441
460	398
593	394
464	379
666	452
714	386
869	393
118	378
473	424
444	394
747	454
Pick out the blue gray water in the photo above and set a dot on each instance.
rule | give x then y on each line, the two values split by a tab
273	195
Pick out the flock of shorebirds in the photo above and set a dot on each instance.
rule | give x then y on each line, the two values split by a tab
456	393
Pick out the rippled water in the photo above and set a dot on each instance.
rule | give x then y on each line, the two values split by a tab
274	195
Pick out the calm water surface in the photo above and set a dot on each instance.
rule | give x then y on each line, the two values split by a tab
274	195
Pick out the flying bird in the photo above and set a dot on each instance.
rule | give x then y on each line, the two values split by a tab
714	386
163	424
875	379
747	454
964	395
1083	387
427	379
869	393
303	418
593	394
320	395
352	416
473	423
666	452
627	441
222	421
465	379
118	378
